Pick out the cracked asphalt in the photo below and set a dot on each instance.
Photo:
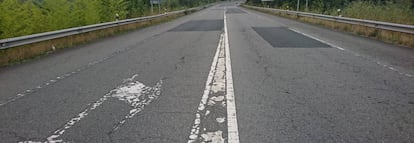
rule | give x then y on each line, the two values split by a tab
293	90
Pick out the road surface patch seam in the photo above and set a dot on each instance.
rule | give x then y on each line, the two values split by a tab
217	100
357	55
349	51
282	37
199	25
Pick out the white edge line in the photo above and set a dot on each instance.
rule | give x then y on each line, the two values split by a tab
355	54
233	132
332	45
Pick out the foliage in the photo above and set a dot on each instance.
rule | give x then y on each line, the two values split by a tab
25	17
393	12
397	11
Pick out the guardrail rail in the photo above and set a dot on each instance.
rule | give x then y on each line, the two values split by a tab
29	39
369	23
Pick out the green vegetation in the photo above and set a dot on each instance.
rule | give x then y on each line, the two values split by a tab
25	17
20	54
396	11
392	12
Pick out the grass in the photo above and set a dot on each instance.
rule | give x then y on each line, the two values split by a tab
16	55
388	12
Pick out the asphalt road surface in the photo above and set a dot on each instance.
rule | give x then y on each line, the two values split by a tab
223	74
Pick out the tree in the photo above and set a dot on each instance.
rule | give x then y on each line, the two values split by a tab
16	18
24	17
109	8
136	8
58	14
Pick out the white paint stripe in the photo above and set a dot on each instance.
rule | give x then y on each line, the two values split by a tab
78	70
355	54
219	80
233	132
135	93
341	48
52	81
327	43
196	126
56	134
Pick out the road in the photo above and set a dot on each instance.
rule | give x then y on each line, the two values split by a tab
223	74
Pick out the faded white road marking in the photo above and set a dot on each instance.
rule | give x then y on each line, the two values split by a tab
233	131
137	96
356	54
218	96
61	77
134	93
221	120
194	134
213	137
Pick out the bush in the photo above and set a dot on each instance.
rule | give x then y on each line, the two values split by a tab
26	17
388	12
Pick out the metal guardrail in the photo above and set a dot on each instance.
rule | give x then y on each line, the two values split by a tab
369	23
29	39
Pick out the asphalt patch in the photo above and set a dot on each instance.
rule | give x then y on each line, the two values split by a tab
200	25
234	11
216	9
282	37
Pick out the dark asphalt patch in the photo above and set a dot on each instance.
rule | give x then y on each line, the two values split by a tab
216	9
200	25
234	11
282	37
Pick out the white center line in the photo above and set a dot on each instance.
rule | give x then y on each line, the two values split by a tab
195	131
219	88
233	131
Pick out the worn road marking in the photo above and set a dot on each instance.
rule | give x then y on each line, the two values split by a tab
53	81
217	101
201	111
68	74
356	54
134	93
233	131
343	49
